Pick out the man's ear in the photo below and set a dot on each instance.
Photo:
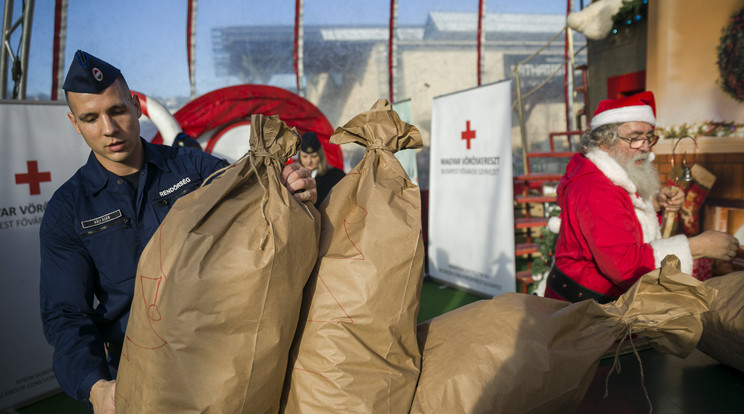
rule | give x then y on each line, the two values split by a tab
136	103
73	121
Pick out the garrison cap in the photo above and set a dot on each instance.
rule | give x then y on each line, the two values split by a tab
310	143
89	74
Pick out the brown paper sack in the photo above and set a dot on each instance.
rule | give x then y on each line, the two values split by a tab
521	353
356	350
218	290
723	325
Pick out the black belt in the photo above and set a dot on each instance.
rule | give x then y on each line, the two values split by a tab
571	291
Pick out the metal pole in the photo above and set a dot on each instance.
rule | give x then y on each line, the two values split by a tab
569	74
28	17
17	64
5	52
392	51
522	129
191	46
300	46
481	39
58	48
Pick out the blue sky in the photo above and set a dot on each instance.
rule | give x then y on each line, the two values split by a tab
146	39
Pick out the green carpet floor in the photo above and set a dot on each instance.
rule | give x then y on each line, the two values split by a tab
436	299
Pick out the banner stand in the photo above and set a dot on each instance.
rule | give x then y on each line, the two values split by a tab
471	191
41	150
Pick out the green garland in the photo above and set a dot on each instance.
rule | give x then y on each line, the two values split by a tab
545	246
731	57
704	129
632	11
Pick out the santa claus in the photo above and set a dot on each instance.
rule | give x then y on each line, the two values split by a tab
610	199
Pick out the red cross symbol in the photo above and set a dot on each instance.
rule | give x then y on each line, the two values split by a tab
467	134
33	178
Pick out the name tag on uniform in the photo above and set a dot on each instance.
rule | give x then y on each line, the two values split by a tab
101	220
172	189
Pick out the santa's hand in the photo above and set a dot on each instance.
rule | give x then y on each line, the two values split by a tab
103	397
714	244
670	198
299	181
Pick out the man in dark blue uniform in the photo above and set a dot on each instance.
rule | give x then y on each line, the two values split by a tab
98	222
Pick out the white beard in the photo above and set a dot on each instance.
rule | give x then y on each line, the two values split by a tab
643	175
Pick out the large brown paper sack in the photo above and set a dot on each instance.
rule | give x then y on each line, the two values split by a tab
356	350
723	325
521	353
218	290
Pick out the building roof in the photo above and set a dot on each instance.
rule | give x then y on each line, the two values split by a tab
496	22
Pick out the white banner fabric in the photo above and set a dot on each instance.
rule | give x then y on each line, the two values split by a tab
407	157
40	152
471	200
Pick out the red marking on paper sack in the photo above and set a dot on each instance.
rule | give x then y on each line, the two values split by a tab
150	304
340	306
309	372
347	222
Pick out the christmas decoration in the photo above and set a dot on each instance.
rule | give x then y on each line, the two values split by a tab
705	129
696	194
731	59
546	247
631	12
603	17
595	20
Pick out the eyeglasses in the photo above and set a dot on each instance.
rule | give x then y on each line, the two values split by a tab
637	143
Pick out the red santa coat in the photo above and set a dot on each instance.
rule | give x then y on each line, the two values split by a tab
609	236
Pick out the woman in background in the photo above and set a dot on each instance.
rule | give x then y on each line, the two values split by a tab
313	157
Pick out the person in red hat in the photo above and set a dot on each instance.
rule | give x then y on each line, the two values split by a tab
610	197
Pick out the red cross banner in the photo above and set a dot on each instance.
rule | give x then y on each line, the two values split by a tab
471	210
40	152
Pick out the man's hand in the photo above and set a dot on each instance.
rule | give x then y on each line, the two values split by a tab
103	397
299	182
714	244
670	198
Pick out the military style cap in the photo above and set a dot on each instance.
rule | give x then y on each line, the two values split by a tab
88	74
310	143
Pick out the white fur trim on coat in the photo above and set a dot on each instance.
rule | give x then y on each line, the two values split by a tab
677	245
644	209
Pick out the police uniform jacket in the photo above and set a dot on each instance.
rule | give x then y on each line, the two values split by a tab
94	229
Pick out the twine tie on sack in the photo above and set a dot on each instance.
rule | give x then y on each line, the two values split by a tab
379	147
616	362
265	198
263	153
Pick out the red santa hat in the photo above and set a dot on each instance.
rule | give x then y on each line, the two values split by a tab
636	108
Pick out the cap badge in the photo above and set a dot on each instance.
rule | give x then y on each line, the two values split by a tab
97	74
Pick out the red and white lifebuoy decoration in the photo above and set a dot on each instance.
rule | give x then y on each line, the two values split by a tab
164	121
220	120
